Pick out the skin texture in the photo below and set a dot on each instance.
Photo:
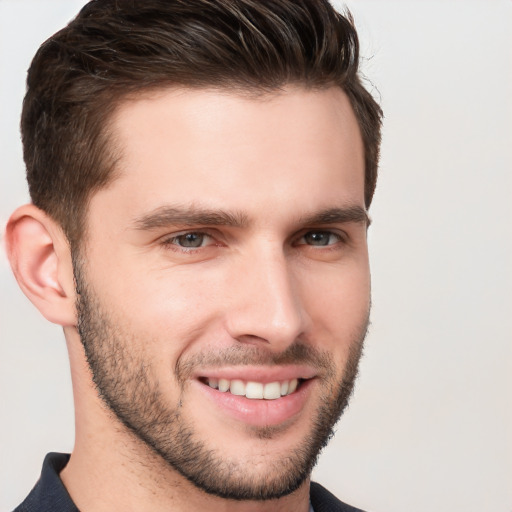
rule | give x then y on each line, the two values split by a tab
233	242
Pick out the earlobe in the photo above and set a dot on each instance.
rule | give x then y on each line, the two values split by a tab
40	258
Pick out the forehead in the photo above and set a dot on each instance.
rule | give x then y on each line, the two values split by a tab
220	148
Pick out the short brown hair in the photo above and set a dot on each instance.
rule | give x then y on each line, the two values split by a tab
115	48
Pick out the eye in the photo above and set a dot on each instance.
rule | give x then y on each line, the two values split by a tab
320	238
190	240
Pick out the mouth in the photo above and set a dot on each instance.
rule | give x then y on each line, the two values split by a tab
254	390
258	395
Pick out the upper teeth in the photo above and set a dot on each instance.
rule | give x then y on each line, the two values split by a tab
269	391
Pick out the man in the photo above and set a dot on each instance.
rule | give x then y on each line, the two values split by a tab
200	175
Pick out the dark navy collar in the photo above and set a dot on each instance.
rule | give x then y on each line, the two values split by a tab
323	501
49	494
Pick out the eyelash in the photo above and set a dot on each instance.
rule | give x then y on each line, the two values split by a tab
171	242
339	238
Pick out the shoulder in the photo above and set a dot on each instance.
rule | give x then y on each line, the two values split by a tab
323	501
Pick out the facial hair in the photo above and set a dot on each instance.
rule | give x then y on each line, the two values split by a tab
125	383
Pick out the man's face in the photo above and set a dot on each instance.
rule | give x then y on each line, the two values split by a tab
225	284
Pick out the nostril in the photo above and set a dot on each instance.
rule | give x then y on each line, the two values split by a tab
251	339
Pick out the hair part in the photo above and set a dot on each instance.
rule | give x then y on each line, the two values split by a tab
117	49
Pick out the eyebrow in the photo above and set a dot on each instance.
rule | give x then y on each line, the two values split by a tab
355	213
190	216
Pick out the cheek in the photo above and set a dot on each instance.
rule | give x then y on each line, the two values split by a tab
338	303
169	309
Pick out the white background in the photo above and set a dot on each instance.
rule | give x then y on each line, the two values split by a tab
430	426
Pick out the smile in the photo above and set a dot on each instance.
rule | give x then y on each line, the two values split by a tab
254	390
258	396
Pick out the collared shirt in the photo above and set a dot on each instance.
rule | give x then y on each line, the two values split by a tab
50	495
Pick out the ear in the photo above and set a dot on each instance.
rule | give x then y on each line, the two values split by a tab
40	258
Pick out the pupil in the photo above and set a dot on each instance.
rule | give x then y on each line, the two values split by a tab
191	240
317	238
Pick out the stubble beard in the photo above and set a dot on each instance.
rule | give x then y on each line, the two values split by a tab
124	382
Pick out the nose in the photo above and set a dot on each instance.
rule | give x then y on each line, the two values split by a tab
266	306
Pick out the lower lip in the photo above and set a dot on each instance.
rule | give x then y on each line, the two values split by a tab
259	412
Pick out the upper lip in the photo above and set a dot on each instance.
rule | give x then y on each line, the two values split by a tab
263	374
